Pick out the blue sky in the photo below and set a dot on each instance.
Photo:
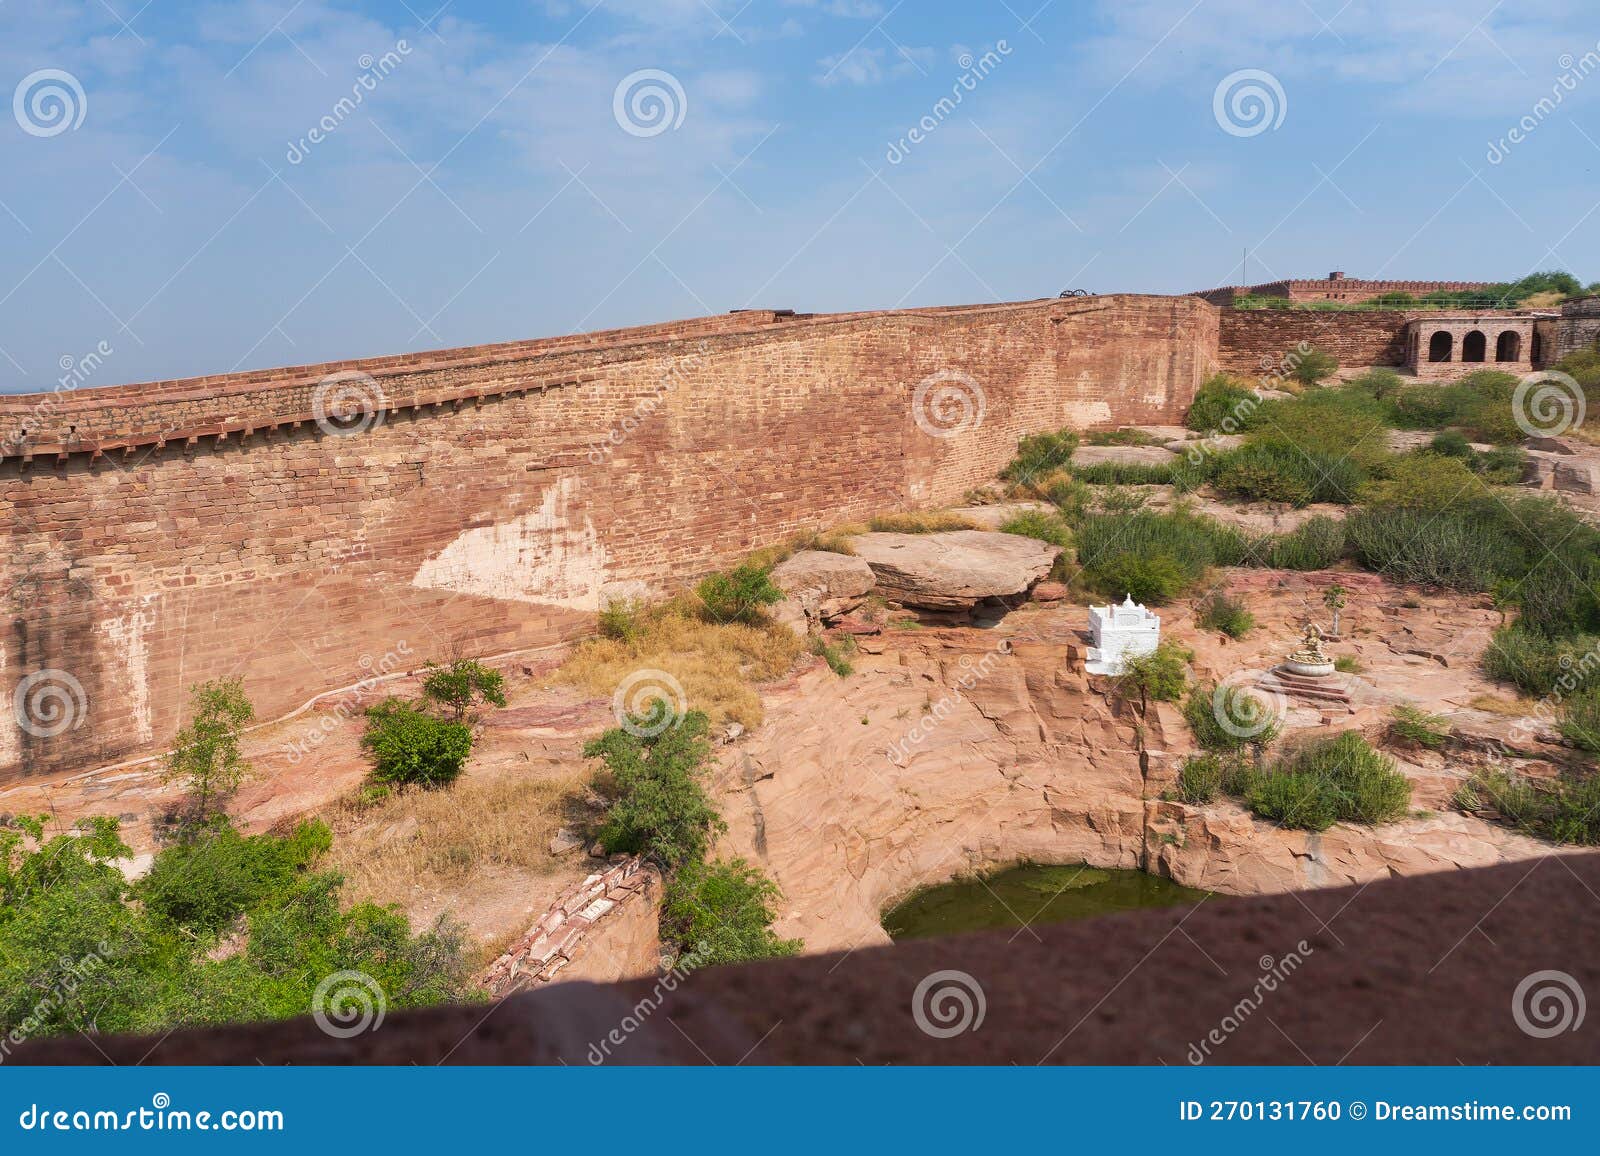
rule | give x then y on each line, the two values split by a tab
487	188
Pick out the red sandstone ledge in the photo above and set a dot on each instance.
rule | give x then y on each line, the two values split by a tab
1417	971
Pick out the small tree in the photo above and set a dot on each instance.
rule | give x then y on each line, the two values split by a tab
1313	366
659	807
408	745
205	755
1333	599
462	685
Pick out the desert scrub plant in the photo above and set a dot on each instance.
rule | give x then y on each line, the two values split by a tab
1126	436
1154	557
1580	720
653	775
408	746
1039	454
463	685
1329	780
205	758
1426	481
1159	676
1203	777
1408	724
1348	664
1314	366
836	654
1221	612
921	522
1222	403
1447	548
1040	524
1229	718
1565	810
722	912
1278	470
1315	544
1125	473
620	619
205	883
738	595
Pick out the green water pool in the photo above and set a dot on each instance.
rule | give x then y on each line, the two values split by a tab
1031	895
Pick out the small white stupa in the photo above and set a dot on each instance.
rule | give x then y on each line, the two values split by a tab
1120	632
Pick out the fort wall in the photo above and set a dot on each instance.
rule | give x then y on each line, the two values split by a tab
1253	341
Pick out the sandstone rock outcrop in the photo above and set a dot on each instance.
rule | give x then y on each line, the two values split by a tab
956	570
821	587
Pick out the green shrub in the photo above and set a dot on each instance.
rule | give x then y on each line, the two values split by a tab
1560	594
620	619
722	913
462	685
1580	720
1450	444
1407	724
1276	470
1453	549
1501	466
1039	454
836	654
1426	481
1153	556
1315	544
1221	612
738	595
1313	366
1223	403
408	745
1348	664
1202	777
658	807
205	882
1250	721
1126	436
1382	384
1564	811
1540	665
1044	526
1159	676
1126	473
1327	780
1153	579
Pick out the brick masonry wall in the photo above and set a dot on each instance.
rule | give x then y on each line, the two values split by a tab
1251	341
302	561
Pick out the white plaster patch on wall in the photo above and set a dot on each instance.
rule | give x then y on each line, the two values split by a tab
551	556
1082	413
127	640
10	732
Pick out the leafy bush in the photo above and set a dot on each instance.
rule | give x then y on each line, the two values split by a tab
1039	454
1044	526
1451	549
722	913
1336	423
1203	777
738	595
1331	779
1250	719
1501	466
1407	724
1155	557
408	745
1382	384
1313	366
1564	811
205	882
1451	444
658	807
1580	720
1221	612
1315	544
462	685
1274	470
620	619
1539	664
1160	675
1153	579
1426	481
1222	403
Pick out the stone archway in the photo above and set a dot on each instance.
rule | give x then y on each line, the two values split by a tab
1509	346
1440	346
1474	346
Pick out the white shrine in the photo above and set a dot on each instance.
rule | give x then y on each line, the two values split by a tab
1121	632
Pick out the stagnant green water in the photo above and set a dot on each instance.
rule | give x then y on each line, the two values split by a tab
1031	896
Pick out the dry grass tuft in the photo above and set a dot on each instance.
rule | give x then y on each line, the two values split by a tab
716	664
1506	707
439	838
921	522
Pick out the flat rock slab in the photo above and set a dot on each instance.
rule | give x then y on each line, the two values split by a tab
820	586
1123	455
955	570
997	515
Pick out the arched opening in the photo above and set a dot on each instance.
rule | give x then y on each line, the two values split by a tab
1439	346
1509	346
1474	345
